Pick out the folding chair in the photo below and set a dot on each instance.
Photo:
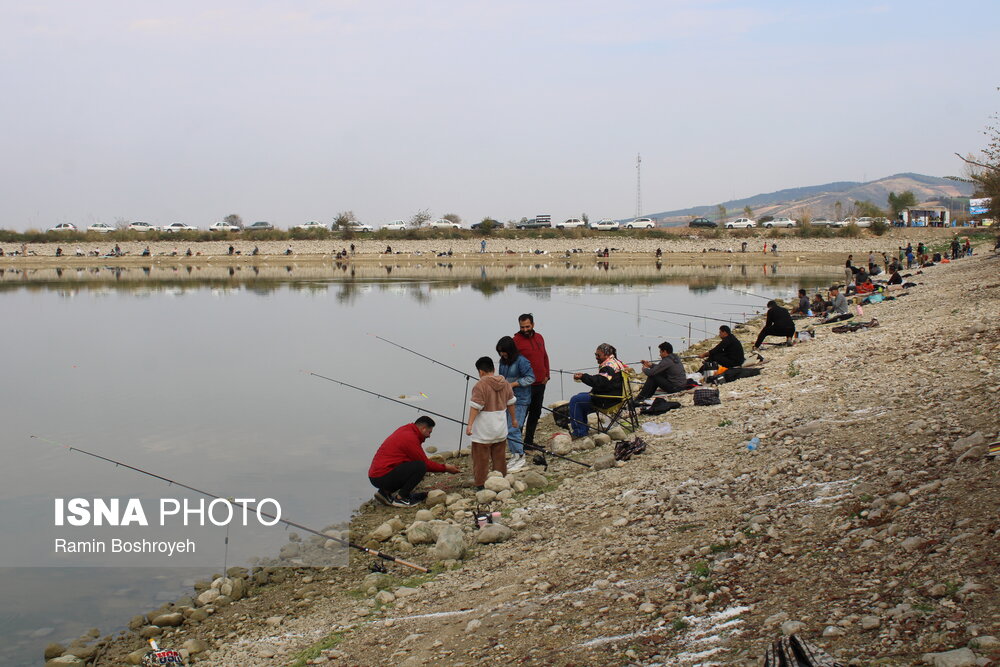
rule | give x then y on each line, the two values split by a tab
622	411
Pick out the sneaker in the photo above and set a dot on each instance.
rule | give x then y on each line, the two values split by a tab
383	498
398	501
516	462
418	496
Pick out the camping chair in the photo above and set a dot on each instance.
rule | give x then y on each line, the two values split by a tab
622	411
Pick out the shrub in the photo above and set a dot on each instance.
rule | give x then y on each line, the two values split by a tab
851	231
879	227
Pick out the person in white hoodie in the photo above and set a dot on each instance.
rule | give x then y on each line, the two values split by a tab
491	398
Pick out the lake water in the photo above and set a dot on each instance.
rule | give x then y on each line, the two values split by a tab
203	376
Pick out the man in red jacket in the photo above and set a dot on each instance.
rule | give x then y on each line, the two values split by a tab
531	344
400	464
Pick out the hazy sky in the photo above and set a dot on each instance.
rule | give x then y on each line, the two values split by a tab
291	111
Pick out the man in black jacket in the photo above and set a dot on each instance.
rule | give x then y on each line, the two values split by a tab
729	351
606	389
778	323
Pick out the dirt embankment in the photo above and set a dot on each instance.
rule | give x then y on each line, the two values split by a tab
866	521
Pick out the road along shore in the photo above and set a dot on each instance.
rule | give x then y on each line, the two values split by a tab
865	521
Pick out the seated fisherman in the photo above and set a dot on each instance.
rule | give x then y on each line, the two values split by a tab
838	307
729	351
802	307
895	278
606	389
819	305
401	463
777	323
667	374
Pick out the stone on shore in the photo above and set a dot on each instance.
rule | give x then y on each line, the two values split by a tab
493	533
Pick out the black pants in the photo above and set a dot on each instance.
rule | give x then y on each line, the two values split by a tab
402	479
534	412
774	331
724	360
654	382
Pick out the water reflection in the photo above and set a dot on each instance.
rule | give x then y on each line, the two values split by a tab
487	279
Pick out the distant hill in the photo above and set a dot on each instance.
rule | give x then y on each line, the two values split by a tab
821	200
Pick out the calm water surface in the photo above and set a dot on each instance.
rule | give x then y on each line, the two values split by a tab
207	381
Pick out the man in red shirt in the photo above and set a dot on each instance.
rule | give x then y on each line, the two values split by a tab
401	463
531	344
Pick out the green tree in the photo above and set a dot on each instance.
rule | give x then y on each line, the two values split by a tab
866	209
748	212
487	225
420	218
343	219
721	210
234	219
898	203
838	210
984	171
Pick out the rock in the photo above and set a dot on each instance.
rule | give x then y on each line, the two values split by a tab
435	497
485	496
647	608
168	620
617	433
968	441
562	444
584	444
450	544
54	651
290	551
274	621
496	484
420	532
197	615
493	533
208	596
775	619
423	515
960	657
65	660
135	657
912	543
899	499
137	622
406	591
473	625
195	646
863	489
519	486
986	643
385	597
870	622
150	631
602	439
833	631
604	462
382	533
792	627
534	480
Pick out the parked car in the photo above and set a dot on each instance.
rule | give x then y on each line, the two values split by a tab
605	225
570	223
864	222
703	222
259	226
141	227
741	223
787	223
821	222
100	228
223	226
359	227
175	227
442	223
640	223
63	227
394	226
842	223
534	223
312	224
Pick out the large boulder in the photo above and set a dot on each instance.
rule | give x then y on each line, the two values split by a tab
450	544
420	532
534	480
493	533
496	484
382	533
435	497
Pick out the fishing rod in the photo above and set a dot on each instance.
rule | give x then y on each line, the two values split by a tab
624	312
703	317
347	543
377	395
742	291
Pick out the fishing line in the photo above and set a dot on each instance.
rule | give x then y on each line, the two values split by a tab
378	395
347	543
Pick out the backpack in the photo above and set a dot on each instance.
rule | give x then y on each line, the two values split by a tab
707	397
560	414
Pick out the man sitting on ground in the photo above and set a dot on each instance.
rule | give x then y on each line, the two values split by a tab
668	374
838	307
729	351
802	307
606	389
777	323
400	464
819	305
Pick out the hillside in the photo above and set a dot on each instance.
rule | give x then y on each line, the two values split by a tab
821	200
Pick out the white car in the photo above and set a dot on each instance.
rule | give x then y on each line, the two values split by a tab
741	223
570	223
223	226
174	227
441	223
864	222
312	224
100	228
63	227
640	223
394	226
359	227
787	223
604	225
141	227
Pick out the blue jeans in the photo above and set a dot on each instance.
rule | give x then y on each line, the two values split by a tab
579	408
515	442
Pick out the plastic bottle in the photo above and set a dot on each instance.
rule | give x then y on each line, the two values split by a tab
754	442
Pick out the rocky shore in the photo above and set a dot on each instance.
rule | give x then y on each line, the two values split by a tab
865	521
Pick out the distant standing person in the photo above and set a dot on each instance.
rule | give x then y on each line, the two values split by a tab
849	270
482	246
490	400
778	323
743	247
531	344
